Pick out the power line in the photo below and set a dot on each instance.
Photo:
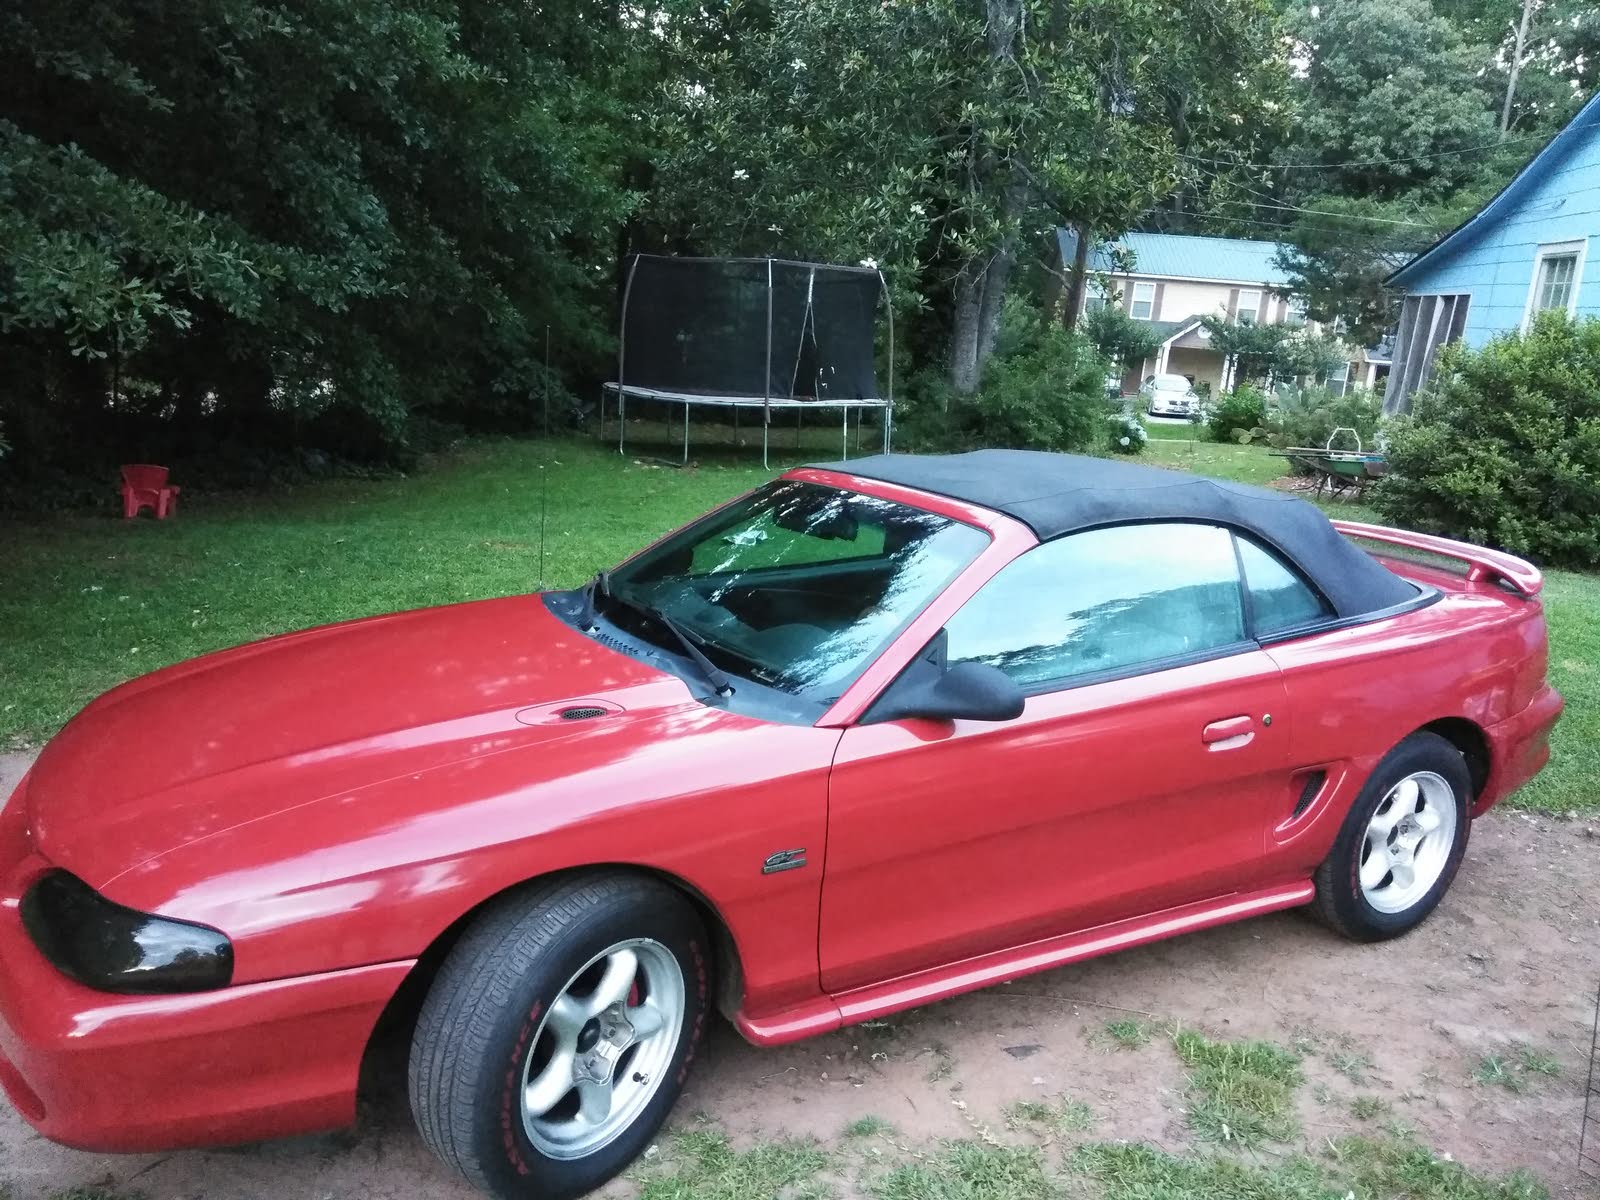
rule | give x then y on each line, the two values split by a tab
1325	212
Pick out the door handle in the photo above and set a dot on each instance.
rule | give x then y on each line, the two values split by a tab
1229	733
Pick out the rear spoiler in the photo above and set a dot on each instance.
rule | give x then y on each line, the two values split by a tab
1491	566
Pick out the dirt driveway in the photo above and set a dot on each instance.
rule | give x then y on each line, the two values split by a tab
1512	959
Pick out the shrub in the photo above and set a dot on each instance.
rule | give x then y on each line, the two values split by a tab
1043	388
1126	432
1504	446
1244	408
1308	417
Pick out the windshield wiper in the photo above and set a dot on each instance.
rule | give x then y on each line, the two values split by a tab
600	585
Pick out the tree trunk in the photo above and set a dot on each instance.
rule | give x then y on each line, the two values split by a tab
964	337
1516	66
1078	279
981	285
995	280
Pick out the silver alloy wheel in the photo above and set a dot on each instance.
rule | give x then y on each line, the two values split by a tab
603	1049
1408	842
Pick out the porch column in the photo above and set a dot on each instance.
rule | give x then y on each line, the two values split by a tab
1161	358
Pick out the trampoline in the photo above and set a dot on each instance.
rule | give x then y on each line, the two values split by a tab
751	333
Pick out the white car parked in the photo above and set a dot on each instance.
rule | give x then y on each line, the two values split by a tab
1169	396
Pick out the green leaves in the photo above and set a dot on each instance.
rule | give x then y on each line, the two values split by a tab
1504	445
394	195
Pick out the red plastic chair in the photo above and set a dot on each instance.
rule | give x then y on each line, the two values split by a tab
145	486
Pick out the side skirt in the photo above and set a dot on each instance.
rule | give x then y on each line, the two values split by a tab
825	1014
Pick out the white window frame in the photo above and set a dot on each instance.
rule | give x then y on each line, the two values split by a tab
1253	309
1579	248
1296	311
1148	298
1339	377
1095	297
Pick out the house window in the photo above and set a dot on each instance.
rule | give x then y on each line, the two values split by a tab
1249	307
1426	323
1338	381
1144	302
1557	272
1094	298
1296	312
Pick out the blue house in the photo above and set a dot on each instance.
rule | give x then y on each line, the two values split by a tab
1524	252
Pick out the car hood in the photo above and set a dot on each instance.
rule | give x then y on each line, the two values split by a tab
207	745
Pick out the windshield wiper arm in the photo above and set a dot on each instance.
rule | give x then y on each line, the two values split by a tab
600	584
713	675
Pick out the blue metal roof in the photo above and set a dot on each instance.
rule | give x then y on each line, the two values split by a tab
1234	260
1587	118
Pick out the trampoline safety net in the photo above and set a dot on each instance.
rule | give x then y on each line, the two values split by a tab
701	327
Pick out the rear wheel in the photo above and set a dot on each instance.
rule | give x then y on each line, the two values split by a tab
558	1034
1401	842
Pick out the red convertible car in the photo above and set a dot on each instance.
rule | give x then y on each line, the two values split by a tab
873	734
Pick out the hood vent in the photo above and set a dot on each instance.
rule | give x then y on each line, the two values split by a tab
563	712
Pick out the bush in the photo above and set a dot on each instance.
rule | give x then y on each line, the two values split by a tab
1043	388
1308	417
1127	433
1244	408
1504	446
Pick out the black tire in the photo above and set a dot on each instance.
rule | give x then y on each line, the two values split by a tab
486	1004
1340	902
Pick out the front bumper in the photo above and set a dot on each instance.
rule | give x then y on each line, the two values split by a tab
1159	409
1519	747
106	1072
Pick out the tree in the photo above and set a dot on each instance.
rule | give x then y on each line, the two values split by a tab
1118	336
944	138
260	210
1393	99
1262	351
1339	253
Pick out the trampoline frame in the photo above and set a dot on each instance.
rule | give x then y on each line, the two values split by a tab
765	402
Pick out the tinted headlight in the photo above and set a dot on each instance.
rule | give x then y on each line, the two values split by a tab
115	949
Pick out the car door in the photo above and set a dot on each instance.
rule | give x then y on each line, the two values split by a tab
1139	777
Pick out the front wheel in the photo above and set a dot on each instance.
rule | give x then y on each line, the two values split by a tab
1401	842
558	1035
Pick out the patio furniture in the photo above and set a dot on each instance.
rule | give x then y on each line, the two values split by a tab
146	486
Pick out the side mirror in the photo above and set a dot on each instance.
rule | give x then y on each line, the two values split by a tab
968	691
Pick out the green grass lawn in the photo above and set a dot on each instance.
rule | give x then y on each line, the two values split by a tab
88	601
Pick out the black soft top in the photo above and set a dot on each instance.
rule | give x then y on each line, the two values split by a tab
1056	494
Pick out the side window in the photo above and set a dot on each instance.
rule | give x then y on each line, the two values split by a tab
1104	600
1279	598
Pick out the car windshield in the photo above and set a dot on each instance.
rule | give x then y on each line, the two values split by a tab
1172	383
797	586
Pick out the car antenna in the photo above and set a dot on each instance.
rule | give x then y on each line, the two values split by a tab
544	465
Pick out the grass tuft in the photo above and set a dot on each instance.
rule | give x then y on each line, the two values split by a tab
704	1166
1128	1034
1240	1092
1063	1116
1536	1062
868	1126
1365	1108
1352	1064
1355	1167
1513	1071
1495	1071
970	1171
